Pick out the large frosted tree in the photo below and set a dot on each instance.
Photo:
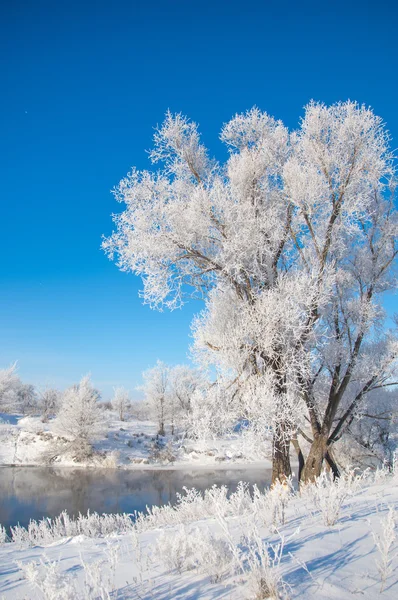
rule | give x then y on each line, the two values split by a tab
291	242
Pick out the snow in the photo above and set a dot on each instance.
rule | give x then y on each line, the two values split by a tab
127	444
317	561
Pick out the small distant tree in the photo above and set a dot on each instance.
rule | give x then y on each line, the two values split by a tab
120	402
27	398
9	385
183	383
80	418
156	382
138	409
49	401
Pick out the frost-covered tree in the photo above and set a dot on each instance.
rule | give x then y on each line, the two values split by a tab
9	386
16	396
184	382
291	242
80	418
156	390
49	401
27	398
168	393
370	438
120	402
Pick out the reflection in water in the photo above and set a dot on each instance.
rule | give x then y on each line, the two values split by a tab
36	492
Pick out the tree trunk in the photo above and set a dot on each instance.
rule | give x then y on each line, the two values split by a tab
313	464
281	469
161	420
332	463
300	457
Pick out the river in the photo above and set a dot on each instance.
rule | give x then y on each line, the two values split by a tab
35	492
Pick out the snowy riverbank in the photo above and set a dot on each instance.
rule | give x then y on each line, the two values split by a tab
322	544
27	441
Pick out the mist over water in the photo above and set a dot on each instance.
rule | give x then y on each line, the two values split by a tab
36	492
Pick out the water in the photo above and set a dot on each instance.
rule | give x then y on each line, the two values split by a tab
36	492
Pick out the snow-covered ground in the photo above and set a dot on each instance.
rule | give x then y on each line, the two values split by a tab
320	544
128	444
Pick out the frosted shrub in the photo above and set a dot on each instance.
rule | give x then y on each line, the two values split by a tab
50	584
196	548
328	495
111	460
270	506
194	504
97	581
262	561
48	581
380	475
190	506
384	543
240	501
91	525
395	465
214	556
277	499
174	550
162	453
3	535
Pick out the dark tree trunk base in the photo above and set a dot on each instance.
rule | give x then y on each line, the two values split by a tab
300	457
332	463
313	465
281	469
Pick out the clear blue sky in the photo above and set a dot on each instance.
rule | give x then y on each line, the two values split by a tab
82	85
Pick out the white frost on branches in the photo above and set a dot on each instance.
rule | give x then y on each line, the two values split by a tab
290	242
80	418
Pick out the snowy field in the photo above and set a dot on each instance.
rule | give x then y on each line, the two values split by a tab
126	444
334	541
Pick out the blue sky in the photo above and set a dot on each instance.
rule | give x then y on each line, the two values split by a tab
82	86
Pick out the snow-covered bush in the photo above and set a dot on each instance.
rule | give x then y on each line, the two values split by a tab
161	452
328	495
90	525
193	505
103	460
48	581
3	535
99	577
263	568
384	543
270	505
196	548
